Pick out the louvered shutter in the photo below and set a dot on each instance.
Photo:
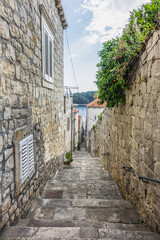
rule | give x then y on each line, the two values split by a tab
26	158
46	54
51	57
31	153
47	41
23	160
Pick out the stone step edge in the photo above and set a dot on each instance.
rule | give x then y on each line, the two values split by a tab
20	231
108	225
82	203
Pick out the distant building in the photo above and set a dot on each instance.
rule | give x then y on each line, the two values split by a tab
80	129
93	110
75	128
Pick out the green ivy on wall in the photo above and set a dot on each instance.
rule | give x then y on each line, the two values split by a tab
116	55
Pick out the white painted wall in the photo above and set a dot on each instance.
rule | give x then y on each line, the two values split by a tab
92	116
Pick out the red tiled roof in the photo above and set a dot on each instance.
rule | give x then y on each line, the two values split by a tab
75	110
96	104
79	116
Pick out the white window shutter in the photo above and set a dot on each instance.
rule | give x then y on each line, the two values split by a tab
23	160
31	153
46	54
26	158
47	41
51	57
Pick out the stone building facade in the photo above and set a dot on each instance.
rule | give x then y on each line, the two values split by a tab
129	135
93	110
31	101
68	102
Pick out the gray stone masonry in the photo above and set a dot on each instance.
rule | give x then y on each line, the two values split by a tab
129	135
28	104
81	202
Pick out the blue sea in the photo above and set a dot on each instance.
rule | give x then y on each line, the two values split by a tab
83	112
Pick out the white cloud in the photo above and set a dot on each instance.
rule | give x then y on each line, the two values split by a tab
73	55
92	38
79	20
108	17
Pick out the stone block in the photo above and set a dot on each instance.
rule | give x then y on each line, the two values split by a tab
18	72
142	113
1	50
9	165
14	31
10	53
4	30
7	113
156	150
17	20
157	168
4	126
156	68
156	135
1	158
12	4
1	143
158	102
11	125
21	113
23	60
2	12
13	209
7	180
148	129
7	69
4	221
8	153
6	205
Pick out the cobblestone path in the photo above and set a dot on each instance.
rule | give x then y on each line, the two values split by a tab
81	202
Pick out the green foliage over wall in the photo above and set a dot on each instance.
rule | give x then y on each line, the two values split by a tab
83	97
116	55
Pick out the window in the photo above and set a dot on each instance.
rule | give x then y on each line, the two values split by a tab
26	158
95	117
68	124
47	52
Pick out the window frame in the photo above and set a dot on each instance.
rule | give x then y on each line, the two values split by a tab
45	28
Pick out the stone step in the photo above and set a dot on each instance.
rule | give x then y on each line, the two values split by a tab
84	224
80	203
100	214
55	233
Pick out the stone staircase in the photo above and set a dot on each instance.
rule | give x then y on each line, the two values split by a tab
81	202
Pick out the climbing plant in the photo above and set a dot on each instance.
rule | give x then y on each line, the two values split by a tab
116	55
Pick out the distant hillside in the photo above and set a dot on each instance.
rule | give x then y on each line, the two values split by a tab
83	97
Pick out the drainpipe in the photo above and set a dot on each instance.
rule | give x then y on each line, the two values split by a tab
71	128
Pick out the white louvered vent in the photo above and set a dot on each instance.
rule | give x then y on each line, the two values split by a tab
26	158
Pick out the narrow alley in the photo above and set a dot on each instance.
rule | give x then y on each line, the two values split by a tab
81	202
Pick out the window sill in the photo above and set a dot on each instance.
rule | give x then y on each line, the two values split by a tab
47	84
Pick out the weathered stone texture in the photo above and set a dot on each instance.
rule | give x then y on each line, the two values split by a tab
129	135
24	101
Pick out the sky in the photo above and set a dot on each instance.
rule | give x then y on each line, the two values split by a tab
90	23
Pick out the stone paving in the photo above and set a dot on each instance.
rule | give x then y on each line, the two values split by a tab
81	202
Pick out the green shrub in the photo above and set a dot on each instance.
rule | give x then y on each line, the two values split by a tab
100	117
117	54
68	156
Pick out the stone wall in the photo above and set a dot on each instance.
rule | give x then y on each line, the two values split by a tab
129	135
26	106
